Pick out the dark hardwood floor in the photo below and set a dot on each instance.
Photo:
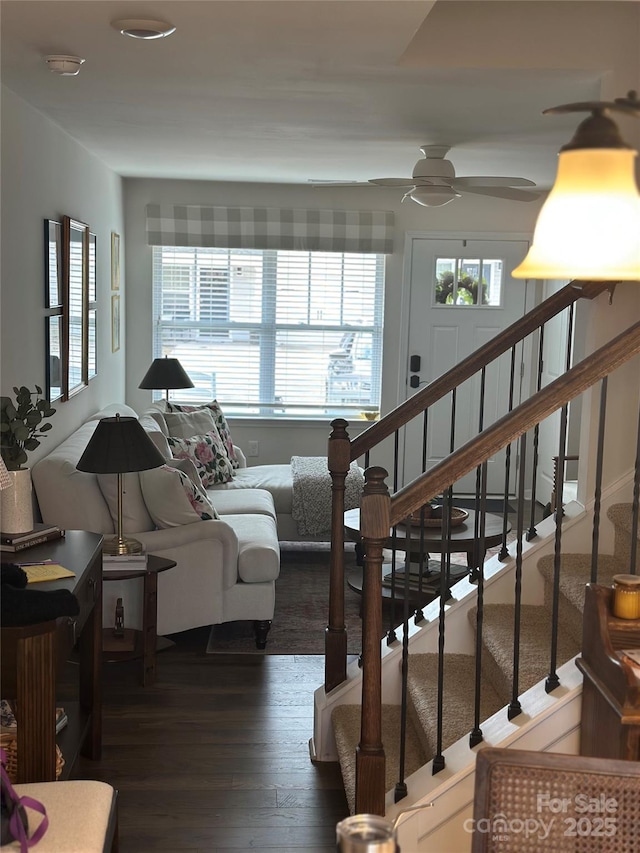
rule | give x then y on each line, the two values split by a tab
214	757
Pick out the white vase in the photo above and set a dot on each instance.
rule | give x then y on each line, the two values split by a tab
17	504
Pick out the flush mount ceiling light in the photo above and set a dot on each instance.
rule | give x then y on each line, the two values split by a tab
67	66
142	29
433	195
588	227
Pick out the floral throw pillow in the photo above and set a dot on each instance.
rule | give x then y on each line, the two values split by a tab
172	499
208	455
220	421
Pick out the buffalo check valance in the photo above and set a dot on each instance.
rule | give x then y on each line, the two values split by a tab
363	231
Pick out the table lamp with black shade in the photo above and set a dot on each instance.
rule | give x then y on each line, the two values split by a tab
165	373
120	446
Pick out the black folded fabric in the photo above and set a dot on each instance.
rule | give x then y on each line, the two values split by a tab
20	605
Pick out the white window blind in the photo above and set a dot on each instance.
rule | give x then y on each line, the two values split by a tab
272	333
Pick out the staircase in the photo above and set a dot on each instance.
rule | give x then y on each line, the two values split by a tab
468	669
497	663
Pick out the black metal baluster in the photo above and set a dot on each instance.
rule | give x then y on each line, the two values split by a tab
400	790
504	553
532	532
597	493
419	614
552	680
473	572
476	735
391	633
438	759
514	706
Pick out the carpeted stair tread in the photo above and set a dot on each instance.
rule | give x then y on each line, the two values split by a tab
575	573
346	728
621	516
459	698
535	640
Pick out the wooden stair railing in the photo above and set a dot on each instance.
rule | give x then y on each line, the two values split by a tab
342	450
379	512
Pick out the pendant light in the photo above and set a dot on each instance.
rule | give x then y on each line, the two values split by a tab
589	226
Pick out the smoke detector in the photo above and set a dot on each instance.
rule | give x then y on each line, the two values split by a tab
67	66
142	29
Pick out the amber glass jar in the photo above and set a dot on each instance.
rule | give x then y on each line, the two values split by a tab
626	596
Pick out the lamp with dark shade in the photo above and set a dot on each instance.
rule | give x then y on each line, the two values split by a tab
589	226
120	446
166	373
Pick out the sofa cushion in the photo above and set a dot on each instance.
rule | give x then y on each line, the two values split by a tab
135	516
188	424
258	547
156	434
208	455
240	501
274	478
220	421
172	498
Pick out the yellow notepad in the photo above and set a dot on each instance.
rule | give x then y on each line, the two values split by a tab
45	571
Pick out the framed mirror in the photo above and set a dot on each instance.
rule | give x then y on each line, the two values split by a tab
75	237
92	305
55	360
53	263
53	300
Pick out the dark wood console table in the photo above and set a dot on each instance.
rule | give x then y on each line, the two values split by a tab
32	655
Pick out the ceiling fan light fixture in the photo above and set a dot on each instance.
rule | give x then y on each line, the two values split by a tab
433	195
588	227
142	29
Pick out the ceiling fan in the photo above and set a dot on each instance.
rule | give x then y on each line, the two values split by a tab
433	182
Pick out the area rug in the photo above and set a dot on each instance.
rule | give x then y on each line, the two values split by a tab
302	609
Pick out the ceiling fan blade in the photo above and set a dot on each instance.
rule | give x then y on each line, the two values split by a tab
393	182
339	183
501	192
479	181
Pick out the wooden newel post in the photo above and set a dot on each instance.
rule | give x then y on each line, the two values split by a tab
335	639
370	758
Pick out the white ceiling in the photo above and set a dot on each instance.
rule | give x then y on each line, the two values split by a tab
293	90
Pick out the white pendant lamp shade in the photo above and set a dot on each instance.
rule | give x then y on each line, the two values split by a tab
589	227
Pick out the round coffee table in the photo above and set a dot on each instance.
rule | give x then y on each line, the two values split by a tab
462	539
413	540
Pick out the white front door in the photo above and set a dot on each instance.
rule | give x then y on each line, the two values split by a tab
461	296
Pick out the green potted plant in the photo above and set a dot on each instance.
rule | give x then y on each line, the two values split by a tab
21	425
21	428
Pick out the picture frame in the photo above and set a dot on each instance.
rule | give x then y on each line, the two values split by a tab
115	261
115	322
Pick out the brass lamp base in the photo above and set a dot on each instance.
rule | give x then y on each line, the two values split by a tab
119	545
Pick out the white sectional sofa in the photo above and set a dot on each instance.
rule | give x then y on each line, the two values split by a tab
226	568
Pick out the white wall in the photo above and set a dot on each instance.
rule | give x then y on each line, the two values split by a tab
46	175
465	217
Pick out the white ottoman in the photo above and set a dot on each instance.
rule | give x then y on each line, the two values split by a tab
82	816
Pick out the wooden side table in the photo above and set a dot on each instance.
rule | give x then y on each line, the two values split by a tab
134	643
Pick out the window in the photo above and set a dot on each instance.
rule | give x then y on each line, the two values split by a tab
458	279
272	333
